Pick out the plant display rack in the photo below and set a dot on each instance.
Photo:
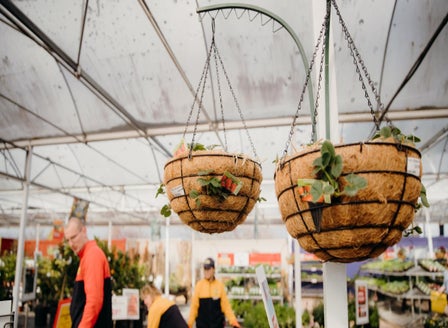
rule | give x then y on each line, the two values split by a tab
242	283
402	281
311	278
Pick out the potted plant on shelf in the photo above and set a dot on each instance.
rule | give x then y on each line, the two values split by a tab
210	189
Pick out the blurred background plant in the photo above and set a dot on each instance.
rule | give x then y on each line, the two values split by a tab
7	274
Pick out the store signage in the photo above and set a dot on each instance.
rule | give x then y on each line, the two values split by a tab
362	303
249	259
62	318
267	298
126	307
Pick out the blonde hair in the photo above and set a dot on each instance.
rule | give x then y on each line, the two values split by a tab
149	290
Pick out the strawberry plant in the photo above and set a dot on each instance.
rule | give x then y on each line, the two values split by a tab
221	187
328	170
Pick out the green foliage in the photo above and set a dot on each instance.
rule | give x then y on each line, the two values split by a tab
125	270
286	315
256	317
328	169
306	318
394	132
318	314
7	274
166	209
254	314
55	277
374	318
435	321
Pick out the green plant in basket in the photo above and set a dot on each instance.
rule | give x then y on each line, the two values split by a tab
328	170
221	187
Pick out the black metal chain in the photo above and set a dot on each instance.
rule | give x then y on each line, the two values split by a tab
218	82
199	101
202	83
319	43
357	60
237	105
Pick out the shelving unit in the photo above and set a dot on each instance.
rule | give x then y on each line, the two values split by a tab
311	277
243	285
412	276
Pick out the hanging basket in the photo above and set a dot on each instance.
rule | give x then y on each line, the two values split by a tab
362	226
212	215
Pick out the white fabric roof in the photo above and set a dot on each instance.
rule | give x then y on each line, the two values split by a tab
102	91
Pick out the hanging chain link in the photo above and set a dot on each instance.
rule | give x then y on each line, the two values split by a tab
357	60
218	82
237	105
360	70
202	83
307	80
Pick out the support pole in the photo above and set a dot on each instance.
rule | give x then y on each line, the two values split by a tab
21	241
167	257
428	232
298	284
334	274
193	256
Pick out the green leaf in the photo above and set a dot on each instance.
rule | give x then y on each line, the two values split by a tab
423	197
317	163
354	184
194	194
160	190
327	158
336	167
317	189
205	172
196	146
166	210
203	182
328	148
215	182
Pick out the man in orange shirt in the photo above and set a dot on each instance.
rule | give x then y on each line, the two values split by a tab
91	304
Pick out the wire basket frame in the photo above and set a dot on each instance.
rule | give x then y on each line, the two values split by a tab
351	228
358	227
184	173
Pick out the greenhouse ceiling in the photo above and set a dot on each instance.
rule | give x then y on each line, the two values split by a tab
100	93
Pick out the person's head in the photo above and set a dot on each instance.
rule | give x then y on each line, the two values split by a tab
209	268
148	294
75	233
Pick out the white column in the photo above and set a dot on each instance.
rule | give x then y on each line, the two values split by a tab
334	274
167	257
335	295
21	241
298	284
428	232
193	269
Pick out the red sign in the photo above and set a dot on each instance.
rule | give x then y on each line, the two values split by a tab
265	258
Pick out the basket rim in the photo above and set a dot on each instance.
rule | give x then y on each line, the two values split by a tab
211	153
401	147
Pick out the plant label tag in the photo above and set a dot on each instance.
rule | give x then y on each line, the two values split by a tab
178	191
414	166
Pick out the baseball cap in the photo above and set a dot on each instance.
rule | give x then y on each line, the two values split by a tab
209	263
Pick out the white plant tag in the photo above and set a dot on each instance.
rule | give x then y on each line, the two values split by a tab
178	191
414	166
